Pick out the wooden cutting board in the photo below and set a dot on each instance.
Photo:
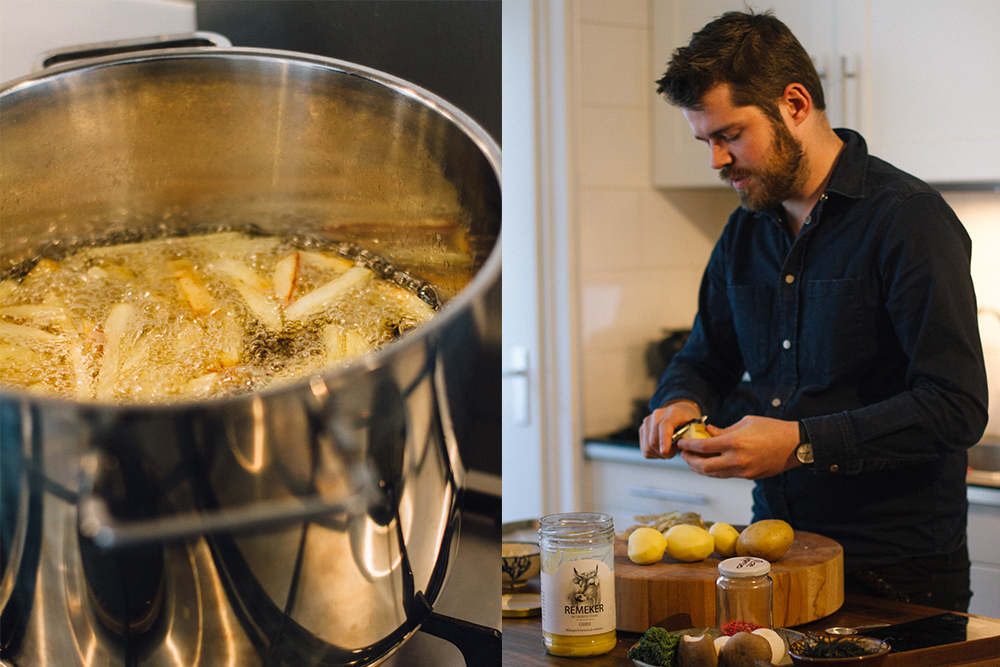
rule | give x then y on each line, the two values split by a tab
808	585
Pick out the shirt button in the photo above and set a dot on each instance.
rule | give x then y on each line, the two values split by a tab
776	402
834	468
808	219
786	344
789	279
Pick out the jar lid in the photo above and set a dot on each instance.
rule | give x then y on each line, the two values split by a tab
576	525
744	566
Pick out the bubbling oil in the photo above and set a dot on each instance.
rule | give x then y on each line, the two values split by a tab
201	316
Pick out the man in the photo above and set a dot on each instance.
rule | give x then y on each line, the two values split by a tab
842	287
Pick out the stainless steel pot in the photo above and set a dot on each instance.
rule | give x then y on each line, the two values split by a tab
324	512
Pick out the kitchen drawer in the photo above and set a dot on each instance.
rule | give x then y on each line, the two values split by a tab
984	532
986	590
626	490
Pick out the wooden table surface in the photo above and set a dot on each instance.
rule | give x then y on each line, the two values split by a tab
522	638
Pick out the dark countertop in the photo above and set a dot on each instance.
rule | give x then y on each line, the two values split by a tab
522	638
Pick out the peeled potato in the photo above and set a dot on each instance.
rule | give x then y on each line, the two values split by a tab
697	431
725	539
776	642
743	649
768	539
689	543
697	652
646	545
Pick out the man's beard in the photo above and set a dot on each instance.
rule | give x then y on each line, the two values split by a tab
778	179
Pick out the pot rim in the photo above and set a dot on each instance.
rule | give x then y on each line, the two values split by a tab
488	274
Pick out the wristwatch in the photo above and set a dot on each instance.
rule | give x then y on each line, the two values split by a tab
804	452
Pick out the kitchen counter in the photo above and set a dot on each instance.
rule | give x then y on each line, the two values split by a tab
522	638
984	485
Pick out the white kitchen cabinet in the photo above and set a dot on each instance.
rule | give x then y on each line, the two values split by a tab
624	485
984	550
918	78
935	88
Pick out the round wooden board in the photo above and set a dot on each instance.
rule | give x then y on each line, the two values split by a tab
808	585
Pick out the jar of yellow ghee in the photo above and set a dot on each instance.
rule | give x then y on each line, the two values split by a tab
578	583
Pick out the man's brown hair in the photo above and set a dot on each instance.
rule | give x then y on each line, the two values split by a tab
756	54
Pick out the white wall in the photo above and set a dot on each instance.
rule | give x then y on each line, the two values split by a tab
641	250
523	461
29	28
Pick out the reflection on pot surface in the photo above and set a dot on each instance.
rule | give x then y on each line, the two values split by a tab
310	521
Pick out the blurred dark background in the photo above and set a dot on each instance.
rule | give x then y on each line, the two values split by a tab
449	47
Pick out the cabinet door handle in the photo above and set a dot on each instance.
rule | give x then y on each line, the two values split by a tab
666	494
517	373
844	76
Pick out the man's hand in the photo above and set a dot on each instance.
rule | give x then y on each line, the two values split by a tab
658	428
753	447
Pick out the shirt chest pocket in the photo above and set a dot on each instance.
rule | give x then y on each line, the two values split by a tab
838	330
753	306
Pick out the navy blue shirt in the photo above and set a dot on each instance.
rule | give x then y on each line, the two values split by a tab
864	326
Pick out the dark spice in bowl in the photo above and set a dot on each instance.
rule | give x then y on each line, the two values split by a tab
838	650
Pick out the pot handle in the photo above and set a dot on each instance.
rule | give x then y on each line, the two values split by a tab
97	50
97	522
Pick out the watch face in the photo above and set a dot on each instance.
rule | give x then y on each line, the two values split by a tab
804	453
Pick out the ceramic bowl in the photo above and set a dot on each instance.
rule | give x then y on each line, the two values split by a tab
521	561
877	650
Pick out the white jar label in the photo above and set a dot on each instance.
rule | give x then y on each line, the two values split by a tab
578	599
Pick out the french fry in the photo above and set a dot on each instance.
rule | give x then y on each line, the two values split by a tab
203	384
285	276
234	244
49	315
310	304
410	305
237	270
232	341
23	333
44	265
342	344
115	328
191	287
325	262
14	358
7	288
264	310
82	373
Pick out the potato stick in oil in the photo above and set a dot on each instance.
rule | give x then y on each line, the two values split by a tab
310	304
191	287
115	328
285	276
23	333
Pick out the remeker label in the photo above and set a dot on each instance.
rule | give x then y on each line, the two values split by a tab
579	599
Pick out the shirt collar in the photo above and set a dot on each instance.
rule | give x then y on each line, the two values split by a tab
848	177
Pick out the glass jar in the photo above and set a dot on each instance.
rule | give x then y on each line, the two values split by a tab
744	593
578	583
